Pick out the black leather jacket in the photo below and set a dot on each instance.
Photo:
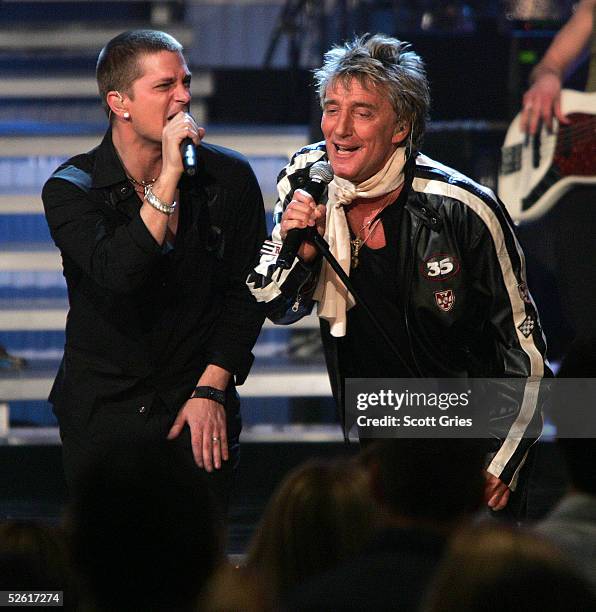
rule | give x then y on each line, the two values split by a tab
461	274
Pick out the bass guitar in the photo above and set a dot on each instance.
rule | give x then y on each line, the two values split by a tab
537	170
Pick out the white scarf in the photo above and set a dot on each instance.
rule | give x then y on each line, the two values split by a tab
332	296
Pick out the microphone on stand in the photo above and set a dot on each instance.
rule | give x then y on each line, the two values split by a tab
320	175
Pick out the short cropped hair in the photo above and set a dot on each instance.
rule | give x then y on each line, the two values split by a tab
118	64
381	61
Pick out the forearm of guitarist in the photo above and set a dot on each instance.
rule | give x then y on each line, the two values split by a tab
543	98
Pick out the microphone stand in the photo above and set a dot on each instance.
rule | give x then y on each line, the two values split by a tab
323	248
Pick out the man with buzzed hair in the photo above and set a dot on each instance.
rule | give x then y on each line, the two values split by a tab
161	324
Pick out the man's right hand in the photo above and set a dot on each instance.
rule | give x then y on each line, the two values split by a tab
181	126
300	213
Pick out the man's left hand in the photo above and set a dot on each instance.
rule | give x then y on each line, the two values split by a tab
207	422
496	492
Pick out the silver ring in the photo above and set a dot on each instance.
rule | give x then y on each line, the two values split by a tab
215	439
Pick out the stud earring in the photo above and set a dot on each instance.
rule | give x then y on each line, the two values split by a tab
126	115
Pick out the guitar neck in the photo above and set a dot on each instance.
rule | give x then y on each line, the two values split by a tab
511	158
572	148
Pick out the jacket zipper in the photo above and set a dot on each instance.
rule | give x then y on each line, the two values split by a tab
296	304
407	305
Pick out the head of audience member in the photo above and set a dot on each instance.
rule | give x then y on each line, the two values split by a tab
321	514
375	98
143	530
578	453
237	588
497	569
430	483
34	557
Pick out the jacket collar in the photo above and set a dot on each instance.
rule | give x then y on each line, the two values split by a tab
425	212
107	169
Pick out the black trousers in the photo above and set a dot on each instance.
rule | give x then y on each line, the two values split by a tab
97	438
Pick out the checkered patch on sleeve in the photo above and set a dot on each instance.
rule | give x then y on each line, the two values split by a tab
526	327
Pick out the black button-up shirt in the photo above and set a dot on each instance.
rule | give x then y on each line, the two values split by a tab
145	318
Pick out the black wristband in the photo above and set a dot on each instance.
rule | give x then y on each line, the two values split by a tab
217	395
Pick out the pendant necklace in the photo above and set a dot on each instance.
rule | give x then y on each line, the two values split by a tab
357	243
139	186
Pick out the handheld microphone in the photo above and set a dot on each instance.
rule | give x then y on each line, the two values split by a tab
320	175
188	152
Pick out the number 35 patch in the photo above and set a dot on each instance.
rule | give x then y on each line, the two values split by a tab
439	267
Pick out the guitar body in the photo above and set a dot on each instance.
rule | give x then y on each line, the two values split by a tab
535	174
